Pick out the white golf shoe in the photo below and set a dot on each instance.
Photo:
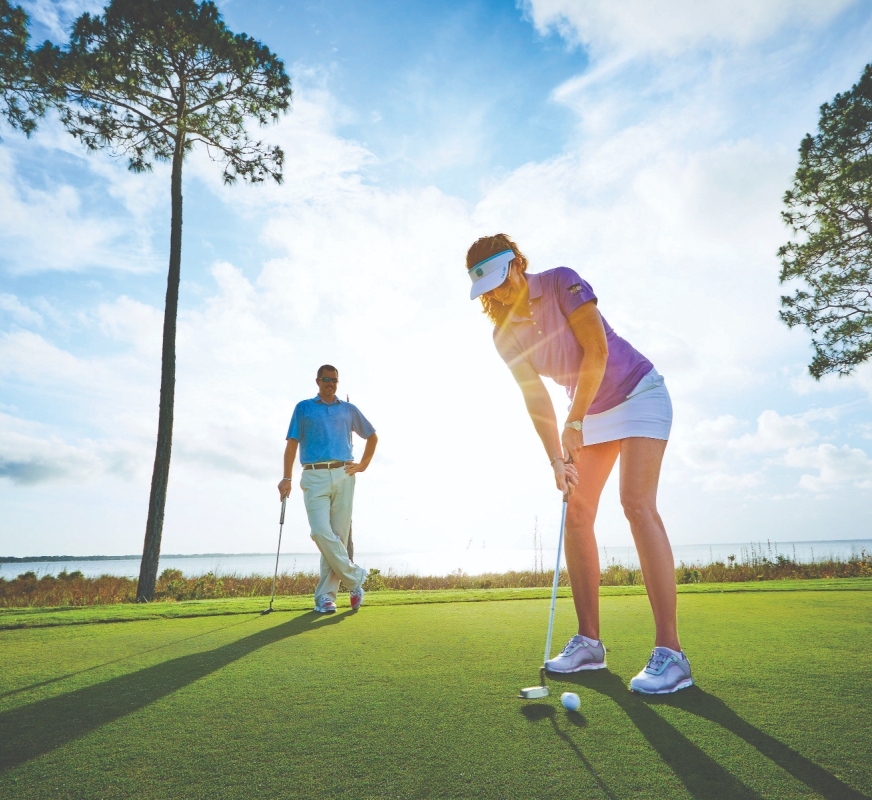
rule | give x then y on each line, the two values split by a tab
580	653
325	605
356	598
667	671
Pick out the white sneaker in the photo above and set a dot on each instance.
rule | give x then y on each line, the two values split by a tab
356	598
667	671
578	654
325	605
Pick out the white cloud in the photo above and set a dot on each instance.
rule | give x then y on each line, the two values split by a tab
19	312
776	432
319	166
677	241
715	455
837	466
31	454
56	228
671	27
132	322
729	482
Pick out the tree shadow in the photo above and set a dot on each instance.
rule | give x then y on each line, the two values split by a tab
705	705
40	727
59	678
701	775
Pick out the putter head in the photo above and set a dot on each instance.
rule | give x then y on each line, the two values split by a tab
266	611
534	692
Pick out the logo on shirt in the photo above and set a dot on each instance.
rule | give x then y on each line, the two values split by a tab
575	288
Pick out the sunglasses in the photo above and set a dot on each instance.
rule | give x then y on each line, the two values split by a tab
329	380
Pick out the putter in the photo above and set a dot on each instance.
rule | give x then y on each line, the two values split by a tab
534	692
276	573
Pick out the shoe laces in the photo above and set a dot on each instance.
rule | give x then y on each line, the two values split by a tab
657	660
571	645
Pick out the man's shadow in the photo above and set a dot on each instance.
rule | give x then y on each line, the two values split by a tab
701	775
127	657
38	728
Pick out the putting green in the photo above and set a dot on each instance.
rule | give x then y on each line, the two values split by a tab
415	701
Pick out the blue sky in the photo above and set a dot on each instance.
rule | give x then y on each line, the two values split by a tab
646	145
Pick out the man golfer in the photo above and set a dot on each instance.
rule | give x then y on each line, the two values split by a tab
321	428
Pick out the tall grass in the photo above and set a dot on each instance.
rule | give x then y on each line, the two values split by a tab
754	563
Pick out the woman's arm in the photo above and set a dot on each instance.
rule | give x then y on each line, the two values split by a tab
587	325
541	411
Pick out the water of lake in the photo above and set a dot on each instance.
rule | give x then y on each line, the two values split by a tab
473	561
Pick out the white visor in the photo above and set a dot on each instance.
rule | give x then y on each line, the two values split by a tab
490	273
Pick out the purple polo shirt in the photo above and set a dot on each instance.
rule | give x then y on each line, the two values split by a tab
546	342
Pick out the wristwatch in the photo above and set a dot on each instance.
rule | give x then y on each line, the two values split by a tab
575	425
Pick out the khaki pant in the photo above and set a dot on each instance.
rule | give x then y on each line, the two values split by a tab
328	495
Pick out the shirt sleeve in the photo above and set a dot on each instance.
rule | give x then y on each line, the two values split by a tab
296	419
508	347
360	424
571	291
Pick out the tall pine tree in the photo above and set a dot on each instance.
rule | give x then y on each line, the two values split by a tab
829	210
151	79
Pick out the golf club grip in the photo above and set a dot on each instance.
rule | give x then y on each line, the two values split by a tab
282	517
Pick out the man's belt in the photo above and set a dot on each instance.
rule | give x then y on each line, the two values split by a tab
327	465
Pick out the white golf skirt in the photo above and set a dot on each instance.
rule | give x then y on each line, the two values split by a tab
647	413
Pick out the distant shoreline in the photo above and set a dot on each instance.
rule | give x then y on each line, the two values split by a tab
16	559
613	548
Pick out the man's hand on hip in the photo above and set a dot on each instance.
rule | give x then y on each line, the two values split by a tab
354	468
284	488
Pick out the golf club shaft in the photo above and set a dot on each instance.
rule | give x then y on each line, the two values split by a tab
278	550
556	578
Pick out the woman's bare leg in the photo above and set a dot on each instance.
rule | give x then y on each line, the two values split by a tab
582	557
640	474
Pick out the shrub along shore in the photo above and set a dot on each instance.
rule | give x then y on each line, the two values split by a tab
75	589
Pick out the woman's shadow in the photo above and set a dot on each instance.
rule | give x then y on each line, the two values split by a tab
701	775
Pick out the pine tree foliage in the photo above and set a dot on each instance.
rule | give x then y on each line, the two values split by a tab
151	75
829	210
21	100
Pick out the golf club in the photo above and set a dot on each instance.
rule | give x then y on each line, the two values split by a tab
279	550
533	692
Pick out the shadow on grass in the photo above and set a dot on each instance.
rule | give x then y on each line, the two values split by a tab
705	705
701	775
38	728
540	711
59	678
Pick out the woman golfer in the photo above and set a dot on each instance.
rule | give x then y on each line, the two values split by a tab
549	324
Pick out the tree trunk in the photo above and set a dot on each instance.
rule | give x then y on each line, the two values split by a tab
160	475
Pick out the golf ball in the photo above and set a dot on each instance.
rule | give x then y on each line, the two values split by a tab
570	701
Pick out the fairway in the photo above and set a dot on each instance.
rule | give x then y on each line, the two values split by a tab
416	701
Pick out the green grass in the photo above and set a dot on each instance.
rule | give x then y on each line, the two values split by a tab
39	617
411	700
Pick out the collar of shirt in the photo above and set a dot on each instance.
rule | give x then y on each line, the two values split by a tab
534	287
317	399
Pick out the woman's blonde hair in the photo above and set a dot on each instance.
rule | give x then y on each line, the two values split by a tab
484	248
